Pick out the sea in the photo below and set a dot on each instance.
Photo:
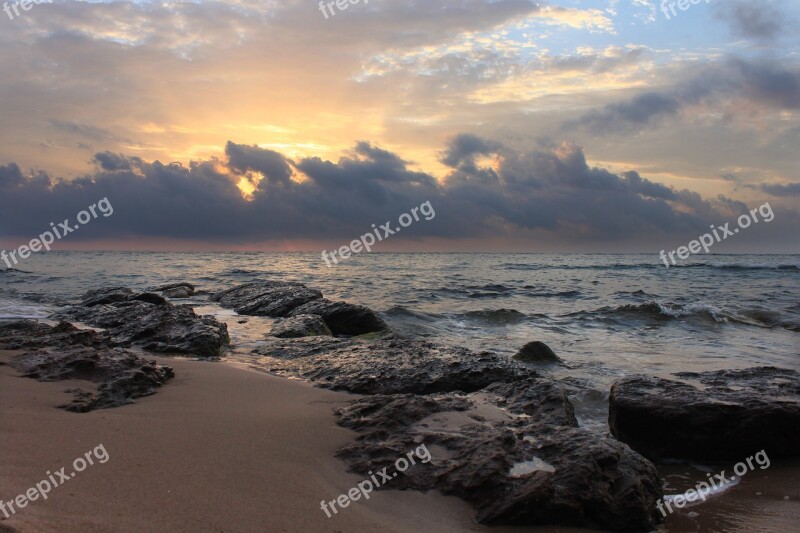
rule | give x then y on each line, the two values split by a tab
606	316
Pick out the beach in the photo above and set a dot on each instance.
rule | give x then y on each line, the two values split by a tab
222	448
230	449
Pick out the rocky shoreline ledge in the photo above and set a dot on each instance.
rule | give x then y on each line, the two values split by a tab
502	436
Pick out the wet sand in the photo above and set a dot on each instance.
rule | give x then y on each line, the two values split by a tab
758	503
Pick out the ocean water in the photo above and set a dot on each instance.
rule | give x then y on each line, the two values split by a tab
606	316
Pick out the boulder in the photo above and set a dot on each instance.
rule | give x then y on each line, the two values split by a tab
266	298
149	297
344	318
709	416
537	352
176	290
388	365
122	375
32	334
513	451
106	295
161	327
300	326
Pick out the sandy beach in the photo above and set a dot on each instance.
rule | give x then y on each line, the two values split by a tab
223	447
220	448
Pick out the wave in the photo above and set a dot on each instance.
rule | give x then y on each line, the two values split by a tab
495	316
736	266
655	265
398	311
561	294
666	311
14	271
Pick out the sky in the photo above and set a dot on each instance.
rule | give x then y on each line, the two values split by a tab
582	126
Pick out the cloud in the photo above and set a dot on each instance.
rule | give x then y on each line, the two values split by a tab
762	21
86	131
774	189
548	195
627	116
764	83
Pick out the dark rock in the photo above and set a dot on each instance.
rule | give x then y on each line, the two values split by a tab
513	451
158	328
32	334
731	414
344	318
122	375
388	365
300	326
150	298
537	352
266	298
176	290
107	295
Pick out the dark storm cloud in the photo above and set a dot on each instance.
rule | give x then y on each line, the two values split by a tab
625	116
792	189
111	161
760	20
767	83
763	83
551	192
252	158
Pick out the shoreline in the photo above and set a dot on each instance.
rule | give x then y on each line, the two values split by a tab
217	449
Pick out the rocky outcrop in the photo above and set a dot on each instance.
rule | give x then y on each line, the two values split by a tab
536	352
62	352
176	290
513	451
388	365
343	318
122	375
283	299
266	298
32	334
107	295
154	325
300	326
724	415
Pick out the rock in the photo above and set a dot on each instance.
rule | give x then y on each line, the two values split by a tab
537	352
283	299
122	375
106	295
176	290
266	298
162	328
149	297
32	334
731	414
388	365
300	326
513	451
344	318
